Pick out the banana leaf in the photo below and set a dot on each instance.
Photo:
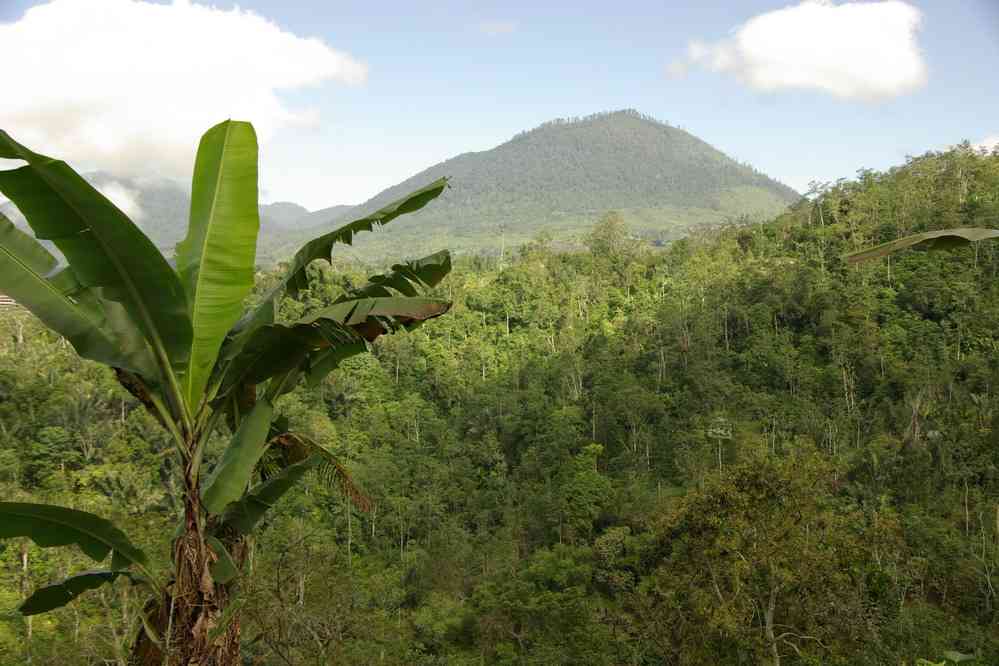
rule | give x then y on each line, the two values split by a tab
231	475
103	247
30	274
244	515
279	348
50	526
223	569
295	278
947	239
59	594
405	279
216	258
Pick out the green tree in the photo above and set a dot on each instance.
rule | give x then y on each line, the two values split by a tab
763	563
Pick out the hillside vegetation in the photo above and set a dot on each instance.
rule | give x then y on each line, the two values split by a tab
559	177
735	450
563	175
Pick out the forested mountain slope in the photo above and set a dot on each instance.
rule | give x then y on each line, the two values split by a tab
734	448
563	175
558	178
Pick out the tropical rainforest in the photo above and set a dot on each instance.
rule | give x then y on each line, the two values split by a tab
734	448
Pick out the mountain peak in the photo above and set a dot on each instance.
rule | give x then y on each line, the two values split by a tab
282	214
606	118
562	175
557	178
617	115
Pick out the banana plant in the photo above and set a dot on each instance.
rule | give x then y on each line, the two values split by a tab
180	340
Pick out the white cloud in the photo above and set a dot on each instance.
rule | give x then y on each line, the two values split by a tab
124	198
988	144
497	28
128	86
855	50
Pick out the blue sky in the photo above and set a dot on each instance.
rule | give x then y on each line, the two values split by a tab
449	77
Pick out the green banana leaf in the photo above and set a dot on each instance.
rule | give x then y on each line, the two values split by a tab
322	247
244	515
216	259
103	247
274	350
29	274
406	279
224	569
945	239
397	308
295	278
278	348
231	475
127	336
59	594
325	361
50	526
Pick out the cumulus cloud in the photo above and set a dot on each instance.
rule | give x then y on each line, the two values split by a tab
497	28
128	86
124	198
988	144
864	51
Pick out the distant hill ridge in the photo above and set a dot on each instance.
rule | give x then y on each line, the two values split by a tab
560	176
557	178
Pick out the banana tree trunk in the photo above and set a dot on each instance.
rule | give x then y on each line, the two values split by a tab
188	619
